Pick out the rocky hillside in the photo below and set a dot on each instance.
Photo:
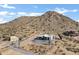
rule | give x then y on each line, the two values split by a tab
51	23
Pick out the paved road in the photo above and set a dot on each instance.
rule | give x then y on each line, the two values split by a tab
8	45
22	50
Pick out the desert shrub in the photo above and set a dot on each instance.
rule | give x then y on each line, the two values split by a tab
60	50
78	30
73	49
63	54
6	37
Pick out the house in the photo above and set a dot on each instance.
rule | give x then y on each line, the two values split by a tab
45	39
42	40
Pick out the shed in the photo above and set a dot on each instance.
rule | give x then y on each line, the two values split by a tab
15	41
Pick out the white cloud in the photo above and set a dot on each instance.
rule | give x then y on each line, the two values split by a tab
35	14
7	6
3	13
6	13
2	21
63	10
29	14
21	13
77	20
11	13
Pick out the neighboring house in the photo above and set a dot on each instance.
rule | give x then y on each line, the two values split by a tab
71	33
15	41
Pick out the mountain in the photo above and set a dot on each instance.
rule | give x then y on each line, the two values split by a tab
50	22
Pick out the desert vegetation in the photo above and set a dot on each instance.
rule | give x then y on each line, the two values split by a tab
51	23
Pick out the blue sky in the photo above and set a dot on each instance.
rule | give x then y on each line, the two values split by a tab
9	12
